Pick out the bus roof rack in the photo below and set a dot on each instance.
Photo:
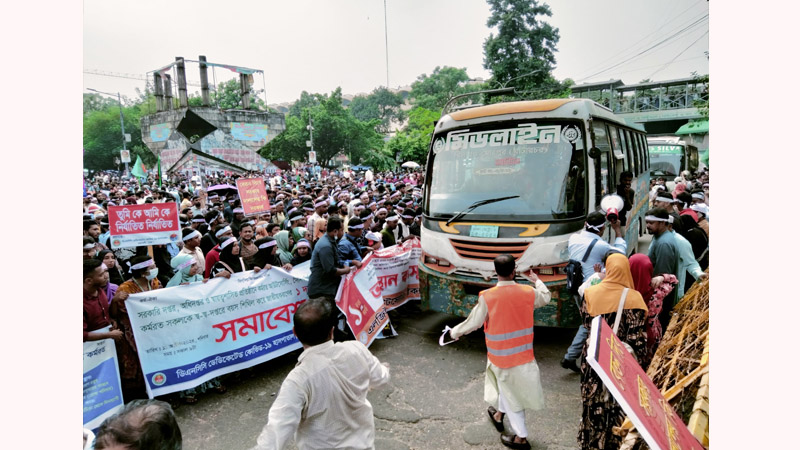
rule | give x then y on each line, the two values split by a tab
488	93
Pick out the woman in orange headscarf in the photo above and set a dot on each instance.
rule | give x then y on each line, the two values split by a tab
601	413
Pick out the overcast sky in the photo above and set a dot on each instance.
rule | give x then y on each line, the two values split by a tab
317	45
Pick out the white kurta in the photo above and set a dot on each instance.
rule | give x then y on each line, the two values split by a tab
521	385
323	401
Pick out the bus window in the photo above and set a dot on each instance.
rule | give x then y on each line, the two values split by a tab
626	149
602	164
619	153
644	153
633	152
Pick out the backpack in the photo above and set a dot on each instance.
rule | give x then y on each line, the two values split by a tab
574	270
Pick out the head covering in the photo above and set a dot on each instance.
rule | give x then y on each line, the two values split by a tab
284	249
604	298
299	233
680	187
642	273
264	255
689	212
182	265
226	256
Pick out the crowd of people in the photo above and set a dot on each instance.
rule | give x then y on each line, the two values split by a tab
331	219
334	221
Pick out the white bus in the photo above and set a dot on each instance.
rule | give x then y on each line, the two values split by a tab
520	178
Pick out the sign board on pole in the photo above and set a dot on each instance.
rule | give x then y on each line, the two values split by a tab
308	143
127	137
125	156
143	225
253	194
312	157
641	400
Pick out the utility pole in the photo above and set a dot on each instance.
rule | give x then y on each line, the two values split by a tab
386	35
310	128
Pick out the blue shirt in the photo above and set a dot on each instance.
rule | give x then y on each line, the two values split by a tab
348	249
323	280
579	243
664	254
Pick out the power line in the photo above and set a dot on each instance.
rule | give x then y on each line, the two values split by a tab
652	47
633	46
131	76
679	54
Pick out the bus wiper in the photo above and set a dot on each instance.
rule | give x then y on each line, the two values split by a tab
476	204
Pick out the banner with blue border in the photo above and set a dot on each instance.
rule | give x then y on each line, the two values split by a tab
189	334
102	394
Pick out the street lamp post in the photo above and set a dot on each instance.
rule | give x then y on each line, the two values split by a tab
121	121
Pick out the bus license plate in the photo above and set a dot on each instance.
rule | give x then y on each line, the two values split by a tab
484	231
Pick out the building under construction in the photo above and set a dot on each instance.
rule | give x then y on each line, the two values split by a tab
207	139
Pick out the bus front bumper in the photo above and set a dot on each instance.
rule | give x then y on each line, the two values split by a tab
458	294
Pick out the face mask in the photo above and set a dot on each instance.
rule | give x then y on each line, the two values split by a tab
152	274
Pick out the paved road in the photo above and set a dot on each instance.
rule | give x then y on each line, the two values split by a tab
434	400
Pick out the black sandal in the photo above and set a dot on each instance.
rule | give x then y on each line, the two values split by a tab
508	441
498	425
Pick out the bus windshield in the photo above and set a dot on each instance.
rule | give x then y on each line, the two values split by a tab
666	160
542	162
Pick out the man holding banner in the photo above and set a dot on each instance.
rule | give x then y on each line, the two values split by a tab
323	400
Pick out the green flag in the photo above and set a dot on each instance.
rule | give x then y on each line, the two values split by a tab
158	174
138	169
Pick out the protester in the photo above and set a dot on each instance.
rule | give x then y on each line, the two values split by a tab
301	252
349	248
114	271
95	303
323	401
326	266
284	240
588	247
140	425
186	271
601	412
664	254
643	281
512	379
143	279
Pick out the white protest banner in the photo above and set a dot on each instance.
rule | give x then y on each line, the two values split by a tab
396	269
187	335
102	394
359	298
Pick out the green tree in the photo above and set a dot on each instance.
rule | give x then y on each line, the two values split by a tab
432	92
228	95
522	53
335	131
306	100
412	142
381	104
102	135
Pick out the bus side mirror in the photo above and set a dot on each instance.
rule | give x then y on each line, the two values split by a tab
594	152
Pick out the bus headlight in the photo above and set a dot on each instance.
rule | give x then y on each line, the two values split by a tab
438	262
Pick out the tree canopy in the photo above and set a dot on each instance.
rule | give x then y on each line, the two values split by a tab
412	142
336	131
102	135
432	92
228	95
381	104
522	53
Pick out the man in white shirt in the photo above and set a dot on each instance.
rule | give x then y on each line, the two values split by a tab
323	402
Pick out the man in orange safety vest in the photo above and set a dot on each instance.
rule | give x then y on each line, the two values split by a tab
512	376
